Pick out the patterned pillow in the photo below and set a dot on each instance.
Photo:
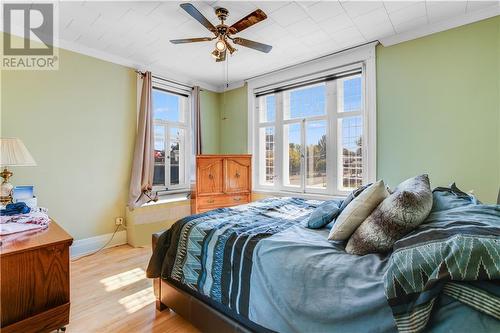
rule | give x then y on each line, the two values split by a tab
397	215
358	210
323	214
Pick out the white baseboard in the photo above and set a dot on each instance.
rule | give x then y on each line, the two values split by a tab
88	245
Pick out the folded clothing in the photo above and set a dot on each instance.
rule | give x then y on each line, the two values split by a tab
39	218
23	222
15	209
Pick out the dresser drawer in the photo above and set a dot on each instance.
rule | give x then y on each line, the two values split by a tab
237	199
222	200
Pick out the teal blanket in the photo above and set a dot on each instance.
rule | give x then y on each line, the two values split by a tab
456	252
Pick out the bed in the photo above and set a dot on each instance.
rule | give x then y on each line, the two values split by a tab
257	267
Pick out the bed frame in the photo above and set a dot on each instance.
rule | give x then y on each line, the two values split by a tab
201	315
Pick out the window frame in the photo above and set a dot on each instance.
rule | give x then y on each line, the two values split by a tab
168	188
362	58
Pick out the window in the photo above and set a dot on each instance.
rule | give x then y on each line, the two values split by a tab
310	136
171	140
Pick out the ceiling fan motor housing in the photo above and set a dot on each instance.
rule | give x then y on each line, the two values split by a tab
221	13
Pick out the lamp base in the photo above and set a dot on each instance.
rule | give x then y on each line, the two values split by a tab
6	187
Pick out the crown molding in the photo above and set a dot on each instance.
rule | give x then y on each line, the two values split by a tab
433	28
163	72
232	85
109	57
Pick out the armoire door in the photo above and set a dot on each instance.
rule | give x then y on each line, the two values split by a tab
209	176
237	173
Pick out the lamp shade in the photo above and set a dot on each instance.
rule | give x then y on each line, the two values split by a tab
13	152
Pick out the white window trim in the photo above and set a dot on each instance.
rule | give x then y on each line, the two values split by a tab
364	56
187	126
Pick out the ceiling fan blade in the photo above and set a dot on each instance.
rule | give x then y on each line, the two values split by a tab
222	57
190	40
253	45
195	13
249	20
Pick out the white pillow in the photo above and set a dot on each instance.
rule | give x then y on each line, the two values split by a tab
358	210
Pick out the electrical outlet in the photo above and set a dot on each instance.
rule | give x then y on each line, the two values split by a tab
119	221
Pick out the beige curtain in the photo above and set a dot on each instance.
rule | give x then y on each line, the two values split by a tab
197	120
141	181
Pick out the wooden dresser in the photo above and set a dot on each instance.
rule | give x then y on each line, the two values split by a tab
221	181
34	278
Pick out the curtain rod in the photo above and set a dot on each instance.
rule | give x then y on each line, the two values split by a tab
307	61
164	79
310	82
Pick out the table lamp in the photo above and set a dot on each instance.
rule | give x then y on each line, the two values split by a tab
13	152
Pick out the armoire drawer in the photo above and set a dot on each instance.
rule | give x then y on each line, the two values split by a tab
222	200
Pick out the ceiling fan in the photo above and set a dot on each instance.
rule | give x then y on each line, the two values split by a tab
224	33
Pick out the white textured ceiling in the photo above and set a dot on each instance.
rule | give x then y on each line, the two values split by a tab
139	31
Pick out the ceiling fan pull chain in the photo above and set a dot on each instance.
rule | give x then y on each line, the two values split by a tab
227	73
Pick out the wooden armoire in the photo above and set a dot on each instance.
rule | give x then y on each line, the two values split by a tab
221	181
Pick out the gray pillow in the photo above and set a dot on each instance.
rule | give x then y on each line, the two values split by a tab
323	214
402	211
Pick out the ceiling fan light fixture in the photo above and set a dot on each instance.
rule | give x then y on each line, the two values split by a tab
221	45
216	54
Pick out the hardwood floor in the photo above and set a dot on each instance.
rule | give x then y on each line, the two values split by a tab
110	293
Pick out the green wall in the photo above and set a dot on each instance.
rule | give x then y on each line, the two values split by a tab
78	123
210	122
438	109
498	66
234	121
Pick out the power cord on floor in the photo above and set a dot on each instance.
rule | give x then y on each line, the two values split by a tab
102	248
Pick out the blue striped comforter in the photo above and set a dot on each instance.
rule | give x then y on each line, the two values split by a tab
215	249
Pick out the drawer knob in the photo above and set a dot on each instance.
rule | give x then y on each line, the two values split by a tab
210	201
237	199
210	176
237	174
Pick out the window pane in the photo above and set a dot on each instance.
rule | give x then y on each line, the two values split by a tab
350	94
305	102
267	108
167	106
350	160
159	169
316	154
293	154
266	137
176	156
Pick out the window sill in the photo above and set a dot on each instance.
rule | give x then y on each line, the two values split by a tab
300	195
169	198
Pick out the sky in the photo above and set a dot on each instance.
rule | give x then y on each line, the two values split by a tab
165	106
310	101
